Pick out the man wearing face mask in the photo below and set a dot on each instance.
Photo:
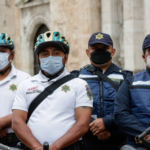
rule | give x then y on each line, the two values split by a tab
132	109
10	78
104	79
63	116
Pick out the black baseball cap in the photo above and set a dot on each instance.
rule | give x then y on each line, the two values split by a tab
100	37
146	42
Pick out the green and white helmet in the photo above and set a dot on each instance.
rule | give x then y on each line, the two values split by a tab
51	38
6	41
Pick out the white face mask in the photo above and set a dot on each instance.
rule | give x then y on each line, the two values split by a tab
3	60
148	61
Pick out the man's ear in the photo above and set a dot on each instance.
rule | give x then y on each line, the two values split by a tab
12	55
144	57
66	58
37	57
113	52
88	53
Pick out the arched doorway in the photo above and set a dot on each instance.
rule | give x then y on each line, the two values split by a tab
43	28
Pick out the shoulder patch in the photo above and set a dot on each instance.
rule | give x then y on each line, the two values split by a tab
89	92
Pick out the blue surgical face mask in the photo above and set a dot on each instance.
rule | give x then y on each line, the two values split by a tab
51	64
148	60
3	60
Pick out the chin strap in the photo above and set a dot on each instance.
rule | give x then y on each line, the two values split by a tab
3	72
52	77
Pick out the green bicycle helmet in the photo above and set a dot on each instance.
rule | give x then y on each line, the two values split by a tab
51	38
6	41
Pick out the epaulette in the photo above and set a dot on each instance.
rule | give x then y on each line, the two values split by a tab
127	71
75	72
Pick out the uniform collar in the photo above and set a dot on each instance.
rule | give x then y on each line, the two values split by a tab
148	70
112	68
12	74
42	78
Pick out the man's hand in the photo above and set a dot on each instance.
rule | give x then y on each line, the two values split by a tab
82	115
97	126
5	122
147	138
22	131
3	133
53	147
104	135
1	124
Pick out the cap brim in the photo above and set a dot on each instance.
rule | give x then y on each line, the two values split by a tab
50	43
146	47
100	43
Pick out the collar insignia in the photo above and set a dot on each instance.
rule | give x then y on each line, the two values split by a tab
89	92
99	36
65	88
120	70
13	87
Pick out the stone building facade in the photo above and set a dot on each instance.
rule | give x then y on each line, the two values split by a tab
127	21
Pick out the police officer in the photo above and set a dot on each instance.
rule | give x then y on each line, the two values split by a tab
132	109
62	118
10	78
104	134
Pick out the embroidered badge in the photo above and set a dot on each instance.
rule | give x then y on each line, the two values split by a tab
13	87
116	80
89	92
99	36
65	88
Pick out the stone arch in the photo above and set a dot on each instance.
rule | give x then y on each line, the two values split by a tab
30	32
43	28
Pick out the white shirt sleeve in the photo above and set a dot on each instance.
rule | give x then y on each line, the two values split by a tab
20	101
84	94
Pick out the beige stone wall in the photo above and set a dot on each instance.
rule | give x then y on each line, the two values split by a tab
77	20
126	21
133	34
10	23
32	16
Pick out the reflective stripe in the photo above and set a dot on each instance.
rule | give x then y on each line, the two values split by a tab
87	76
141	83
115	76
94	116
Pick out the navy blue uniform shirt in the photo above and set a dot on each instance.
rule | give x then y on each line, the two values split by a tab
125	120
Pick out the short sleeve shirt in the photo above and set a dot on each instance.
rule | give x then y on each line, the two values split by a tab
56	114
8	88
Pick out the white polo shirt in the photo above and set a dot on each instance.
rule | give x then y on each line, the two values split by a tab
56	114
8	88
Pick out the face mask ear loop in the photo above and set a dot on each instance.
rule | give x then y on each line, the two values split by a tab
11	59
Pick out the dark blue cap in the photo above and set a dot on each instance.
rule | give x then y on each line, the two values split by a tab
102	38
146	42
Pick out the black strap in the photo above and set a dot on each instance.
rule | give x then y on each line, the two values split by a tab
103	76
47	91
